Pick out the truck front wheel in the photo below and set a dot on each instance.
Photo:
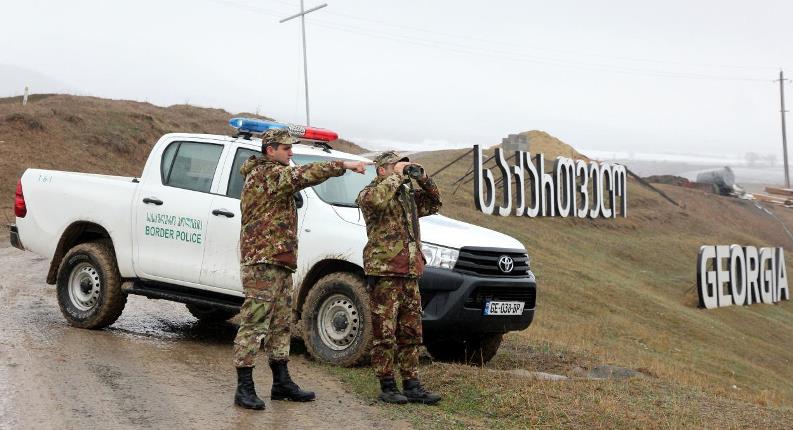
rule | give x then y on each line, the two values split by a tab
474	350
336	324
89	286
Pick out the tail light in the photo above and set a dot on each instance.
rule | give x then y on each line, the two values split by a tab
20	210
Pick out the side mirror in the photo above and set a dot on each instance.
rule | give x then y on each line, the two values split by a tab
298	199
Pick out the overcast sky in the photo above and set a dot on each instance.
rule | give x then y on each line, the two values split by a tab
672	76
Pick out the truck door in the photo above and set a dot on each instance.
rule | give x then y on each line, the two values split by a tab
221	267
172	211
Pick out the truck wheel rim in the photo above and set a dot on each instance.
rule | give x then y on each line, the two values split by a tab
339	322
84	286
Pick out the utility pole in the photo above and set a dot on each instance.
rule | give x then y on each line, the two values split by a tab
784	131
302	16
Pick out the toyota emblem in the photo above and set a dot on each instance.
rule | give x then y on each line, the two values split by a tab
505	263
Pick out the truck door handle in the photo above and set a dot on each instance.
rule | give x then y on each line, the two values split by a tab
152	200
225	213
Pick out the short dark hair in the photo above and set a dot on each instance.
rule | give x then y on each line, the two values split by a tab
273	145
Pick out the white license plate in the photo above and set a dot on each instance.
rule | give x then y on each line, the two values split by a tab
503	308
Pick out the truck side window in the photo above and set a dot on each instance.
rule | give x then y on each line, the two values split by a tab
167	161
235	177
192	165
341	190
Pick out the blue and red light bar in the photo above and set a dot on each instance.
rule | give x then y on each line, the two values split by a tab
249	125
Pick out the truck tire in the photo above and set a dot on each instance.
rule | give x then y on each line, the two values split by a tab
474	350
337	327
89	286
209	314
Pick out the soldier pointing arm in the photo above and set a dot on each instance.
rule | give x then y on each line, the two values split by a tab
268	248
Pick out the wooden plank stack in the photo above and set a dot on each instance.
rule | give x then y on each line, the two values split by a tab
776	195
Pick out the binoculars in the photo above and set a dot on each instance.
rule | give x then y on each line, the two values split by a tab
414	171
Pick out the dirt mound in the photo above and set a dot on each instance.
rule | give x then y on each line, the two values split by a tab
89	134
550	146
668	179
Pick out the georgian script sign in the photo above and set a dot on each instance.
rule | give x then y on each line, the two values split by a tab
575	188
741	275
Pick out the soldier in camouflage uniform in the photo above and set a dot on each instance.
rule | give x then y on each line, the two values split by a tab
268	248
393	261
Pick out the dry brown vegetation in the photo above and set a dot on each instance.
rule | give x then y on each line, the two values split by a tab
616	291
623	291
88	134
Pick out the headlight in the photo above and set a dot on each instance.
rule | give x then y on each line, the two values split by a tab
439	256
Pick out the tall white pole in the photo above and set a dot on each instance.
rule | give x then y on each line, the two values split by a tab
784	130
302	16
305	59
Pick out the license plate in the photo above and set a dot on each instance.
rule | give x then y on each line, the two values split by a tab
503	308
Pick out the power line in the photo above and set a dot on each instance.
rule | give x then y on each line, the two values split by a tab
532	47
539	48
511	55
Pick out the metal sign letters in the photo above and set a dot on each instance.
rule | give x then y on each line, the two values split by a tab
575	188
741	275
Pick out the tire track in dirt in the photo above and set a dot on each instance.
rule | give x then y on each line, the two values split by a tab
156	367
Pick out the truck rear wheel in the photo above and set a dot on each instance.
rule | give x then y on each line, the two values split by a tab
337	328
209	314
473	350
89	286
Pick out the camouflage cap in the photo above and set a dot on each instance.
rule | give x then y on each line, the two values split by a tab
388	157
279	136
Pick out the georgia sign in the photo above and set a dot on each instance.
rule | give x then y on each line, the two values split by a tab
741	275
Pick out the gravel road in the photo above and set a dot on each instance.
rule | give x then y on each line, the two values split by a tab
156	367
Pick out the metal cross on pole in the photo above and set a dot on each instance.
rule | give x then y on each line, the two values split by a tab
302	16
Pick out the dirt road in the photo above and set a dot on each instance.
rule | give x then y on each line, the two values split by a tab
157	367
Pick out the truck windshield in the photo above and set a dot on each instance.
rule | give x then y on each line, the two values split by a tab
341	190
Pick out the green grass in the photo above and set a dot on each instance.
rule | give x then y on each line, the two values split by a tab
622	292
488	398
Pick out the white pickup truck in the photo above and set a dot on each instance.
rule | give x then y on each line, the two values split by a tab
173	234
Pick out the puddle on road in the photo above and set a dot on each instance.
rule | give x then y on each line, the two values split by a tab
156	367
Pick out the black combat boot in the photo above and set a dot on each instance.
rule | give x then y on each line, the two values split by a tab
416	393
389	392
246	393
284	388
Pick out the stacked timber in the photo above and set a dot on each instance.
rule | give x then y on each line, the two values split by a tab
776	195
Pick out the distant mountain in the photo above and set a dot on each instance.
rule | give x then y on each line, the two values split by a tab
14	79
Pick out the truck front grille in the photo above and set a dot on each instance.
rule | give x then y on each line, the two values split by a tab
503	294
484	262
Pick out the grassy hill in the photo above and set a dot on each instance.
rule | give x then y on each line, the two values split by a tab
88	134
617	291
623	291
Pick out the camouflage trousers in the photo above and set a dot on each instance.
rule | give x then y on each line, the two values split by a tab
396	320
265	316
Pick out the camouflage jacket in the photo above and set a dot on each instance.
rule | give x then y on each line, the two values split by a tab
269	215
391	209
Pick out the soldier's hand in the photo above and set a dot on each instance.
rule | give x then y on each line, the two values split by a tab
425	170
400	167
355	166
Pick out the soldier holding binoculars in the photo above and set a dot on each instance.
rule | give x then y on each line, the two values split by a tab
393	262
